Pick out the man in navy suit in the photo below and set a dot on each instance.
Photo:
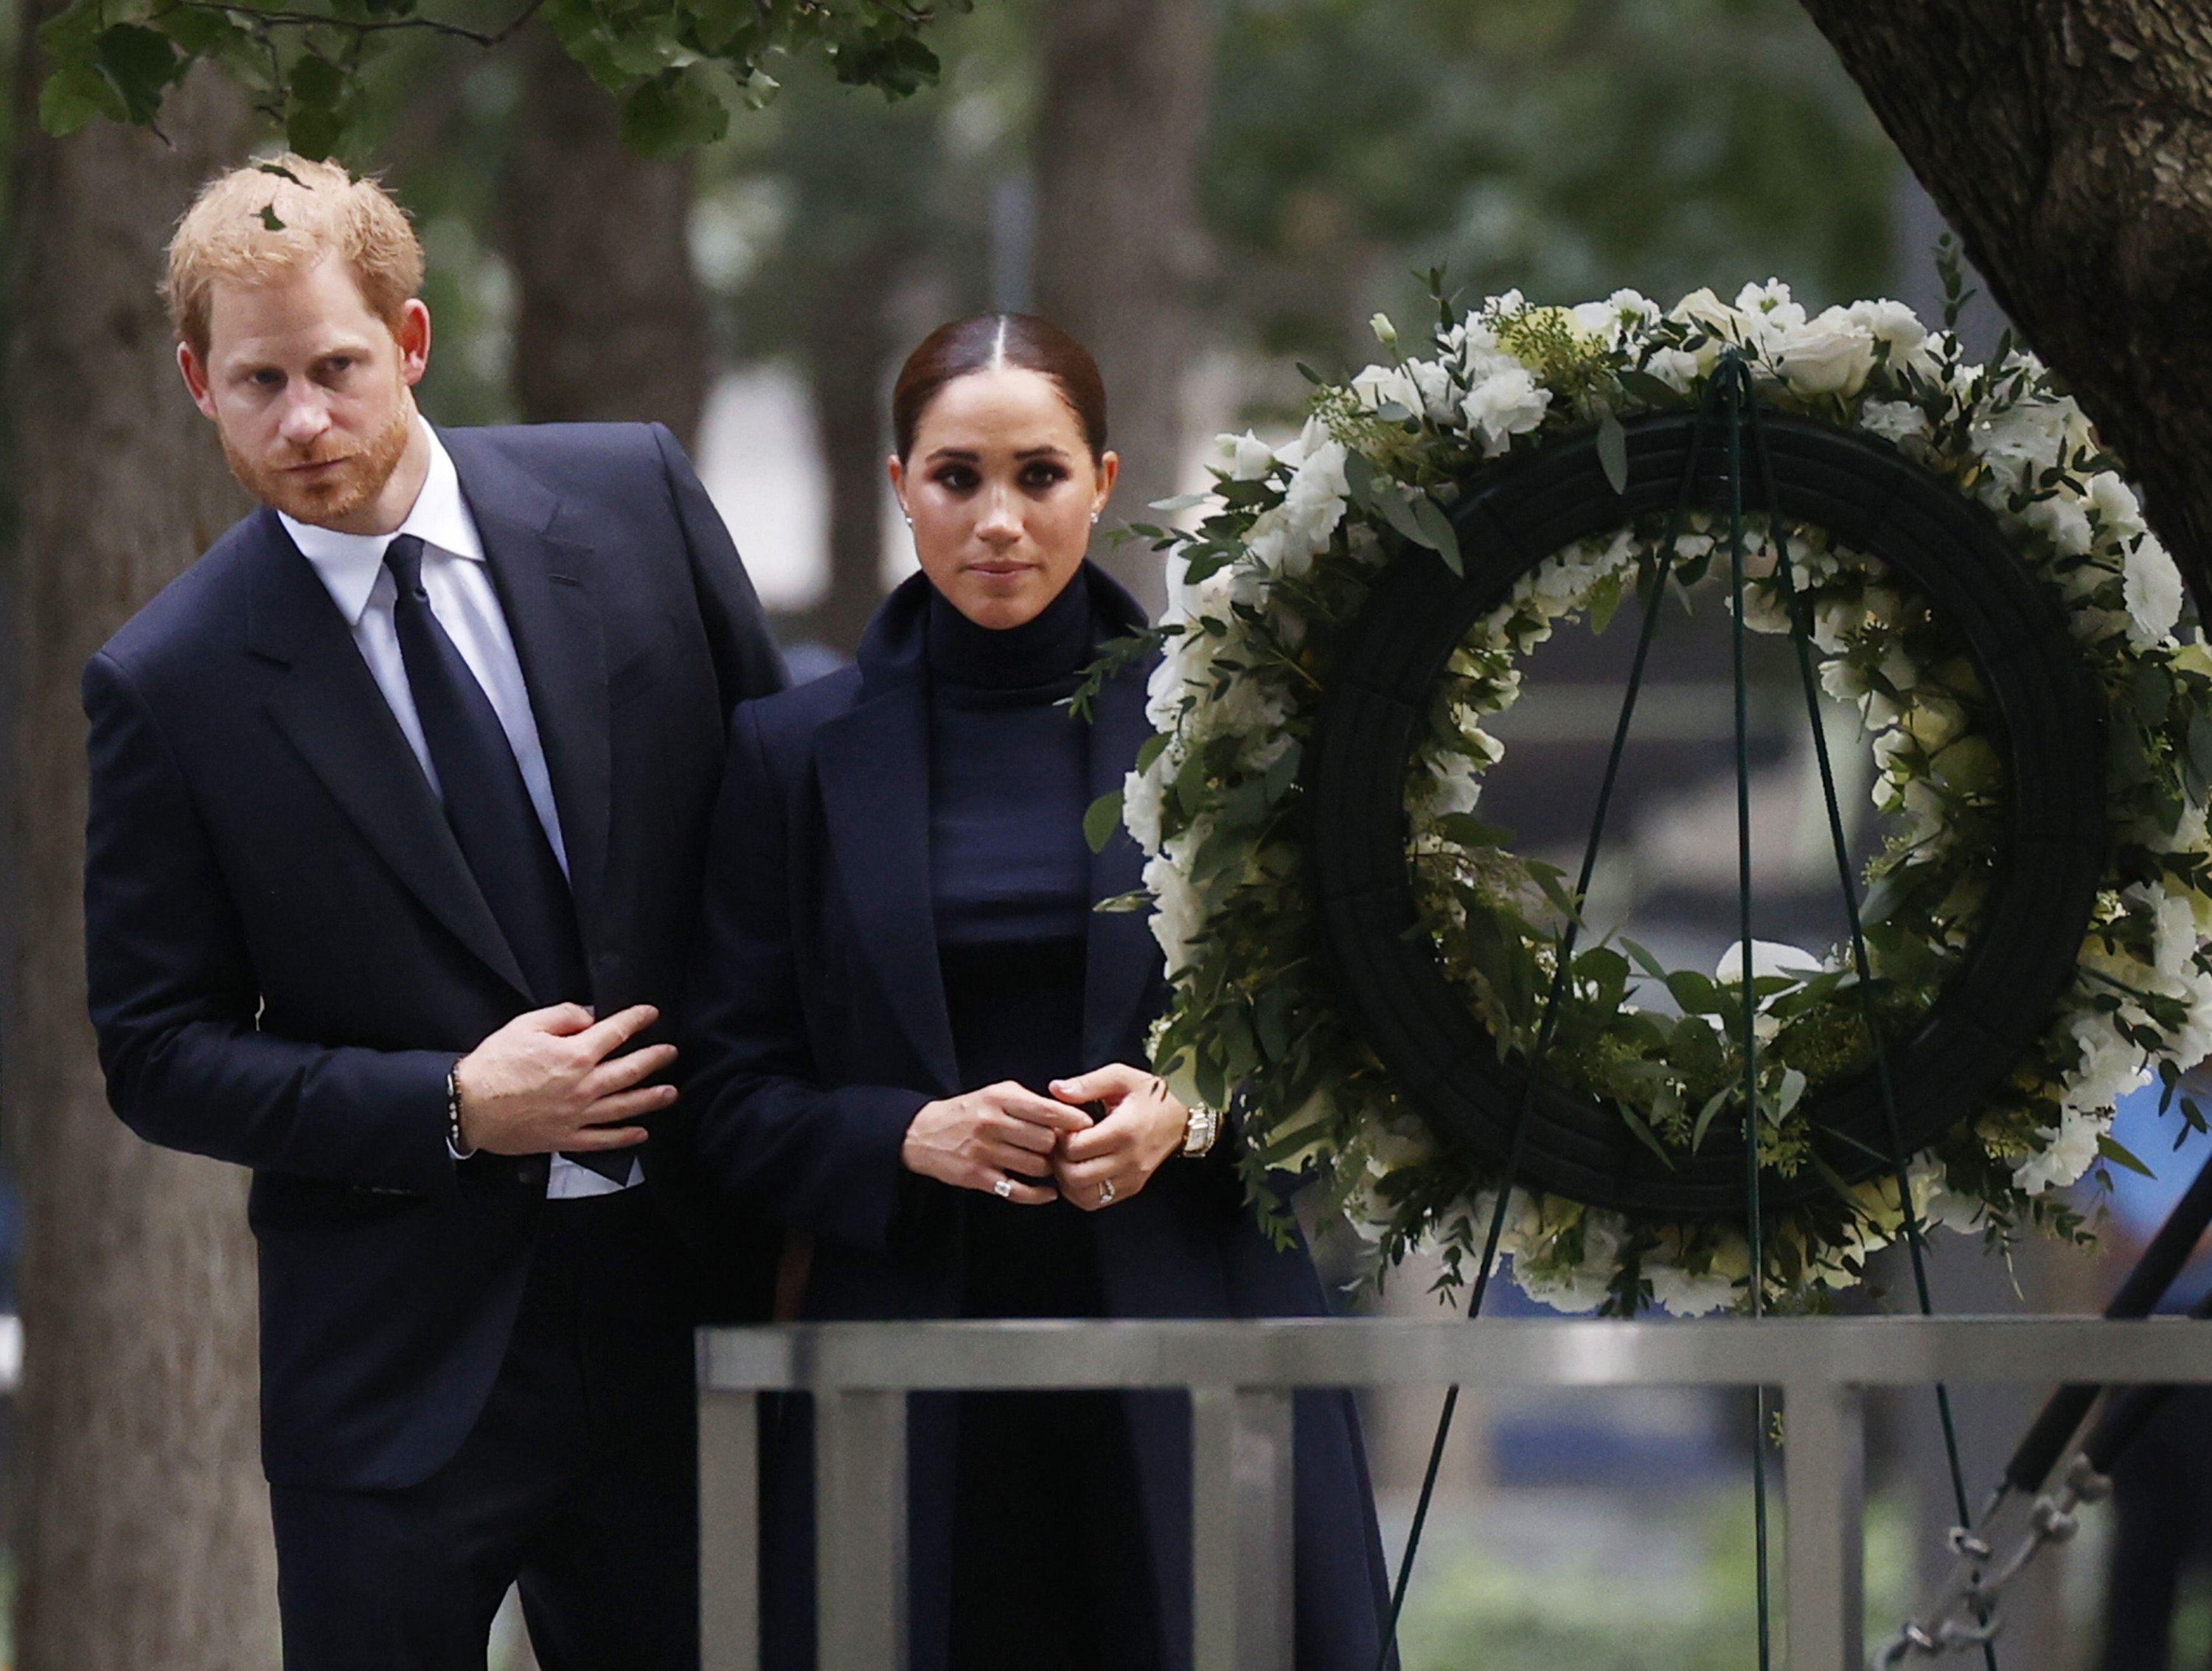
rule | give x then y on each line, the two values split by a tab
400	801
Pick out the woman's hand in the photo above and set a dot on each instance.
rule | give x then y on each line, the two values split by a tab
1113	1160
991	1139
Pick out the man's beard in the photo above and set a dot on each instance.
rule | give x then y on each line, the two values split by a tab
331	495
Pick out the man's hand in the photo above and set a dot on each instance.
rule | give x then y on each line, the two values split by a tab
543	1083
1113	1160
990	1140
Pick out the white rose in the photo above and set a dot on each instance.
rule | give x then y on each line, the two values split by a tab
1831	354
1502	405
1892	323
1701	307
1243	458
2152	585
1768	311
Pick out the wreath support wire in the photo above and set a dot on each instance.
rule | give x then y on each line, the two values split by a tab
1861	965
1734	385
1651	598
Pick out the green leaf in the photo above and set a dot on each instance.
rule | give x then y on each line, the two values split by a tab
2200	744
671	114
1151	750
1714	1104
72	97
1440	535
139	63
1612	452
1103	819
1695	993
1182	501
1465	830
1644	386
1630	1118
1359	479
2116	1153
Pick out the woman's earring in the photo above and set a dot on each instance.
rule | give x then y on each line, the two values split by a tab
1094	518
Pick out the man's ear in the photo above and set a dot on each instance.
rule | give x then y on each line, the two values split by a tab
196	378
413	336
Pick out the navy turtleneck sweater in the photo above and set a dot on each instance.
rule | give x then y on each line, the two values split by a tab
1009	778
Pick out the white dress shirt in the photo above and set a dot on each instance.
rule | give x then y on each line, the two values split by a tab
462	598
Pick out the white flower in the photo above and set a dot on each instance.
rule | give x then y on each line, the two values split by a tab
1675	1290
1677	369
1768	311
2118	510
1831	354
1177	912
1243	458
1897	421
1701	307
2152	585
1768	957
2072	1150
1143	795
1892	323
1385	332
2061	518
1504	404
1378	386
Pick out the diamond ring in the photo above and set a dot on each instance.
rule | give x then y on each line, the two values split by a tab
1106	1193
1004	1187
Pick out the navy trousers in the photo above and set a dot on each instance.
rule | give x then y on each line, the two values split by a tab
578	1482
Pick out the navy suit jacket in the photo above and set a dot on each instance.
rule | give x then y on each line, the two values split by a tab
816	1027
287	952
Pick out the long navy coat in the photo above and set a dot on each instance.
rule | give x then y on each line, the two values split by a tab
817	1029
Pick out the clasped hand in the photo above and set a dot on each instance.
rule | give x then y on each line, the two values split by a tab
1008	1140
549	1081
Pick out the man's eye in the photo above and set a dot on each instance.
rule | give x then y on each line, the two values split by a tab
268	380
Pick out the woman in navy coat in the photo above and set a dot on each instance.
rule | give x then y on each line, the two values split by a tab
913	1043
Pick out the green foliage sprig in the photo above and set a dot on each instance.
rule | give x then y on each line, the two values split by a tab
677	68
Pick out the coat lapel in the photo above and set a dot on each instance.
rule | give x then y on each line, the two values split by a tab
873	766
328	705
544	590
1119	956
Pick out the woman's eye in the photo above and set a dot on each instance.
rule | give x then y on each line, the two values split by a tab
955	478
1039	478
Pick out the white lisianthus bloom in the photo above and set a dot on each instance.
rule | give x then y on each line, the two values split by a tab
1243	458
2064	521
1633	309
1892	323
2108	1067
2017	443
1502	405
1378	386
1831	354
1385	332
1899	422
2152	585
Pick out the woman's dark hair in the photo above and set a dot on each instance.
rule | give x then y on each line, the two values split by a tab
986	341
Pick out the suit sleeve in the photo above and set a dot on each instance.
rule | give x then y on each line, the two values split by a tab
767	1132
176	1006
746	661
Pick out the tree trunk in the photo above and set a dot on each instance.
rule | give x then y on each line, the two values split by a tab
610	323
1120	245
845	324
143	1535
2070	143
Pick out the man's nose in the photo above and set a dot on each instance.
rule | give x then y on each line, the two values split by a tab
306	417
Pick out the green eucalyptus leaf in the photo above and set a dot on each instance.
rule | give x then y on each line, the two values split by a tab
1438	532
1102	820
2117	1152
1612	452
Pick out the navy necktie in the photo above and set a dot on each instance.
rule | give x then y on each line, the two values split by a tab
489	808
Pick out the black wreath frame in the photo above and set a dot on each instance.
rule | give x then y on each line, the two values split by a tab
2051	734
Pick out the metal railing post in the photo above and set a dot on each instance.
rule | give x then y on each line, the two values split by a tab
1824	1450
1242	1532
729	1532
861	1561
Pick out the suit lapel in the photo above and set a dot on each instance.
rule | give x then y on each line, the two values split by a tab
1120	954
546	596
873	766
328	705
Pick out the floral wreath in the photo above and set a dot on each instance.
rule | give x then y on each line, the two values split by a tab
1291	542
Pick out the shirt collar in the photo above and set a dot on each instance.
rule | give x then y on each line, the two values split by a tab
349	564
